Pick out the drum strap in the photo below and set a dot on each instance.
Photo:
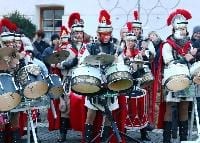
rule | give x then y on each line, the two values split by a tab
180	50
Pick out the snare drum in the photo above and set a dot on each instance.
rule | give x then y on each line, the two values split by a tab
195	72
86	80
119	77
32	82
9	96
137	110
176	77
55	86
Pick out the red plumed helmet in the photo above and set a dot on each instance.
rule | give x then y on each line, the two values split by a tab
104	22
179	18
104	17
75	23
130	35
136	22
64	31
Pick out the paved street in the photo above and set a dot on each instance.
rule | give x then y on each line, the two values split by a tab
75	137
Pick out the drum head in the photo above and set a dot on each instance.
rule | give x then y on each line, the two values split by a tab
56	92
35	89
119	85
177	83
9	101
85	88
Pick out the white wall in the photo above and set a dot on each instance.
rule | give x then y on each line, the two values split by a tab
121	11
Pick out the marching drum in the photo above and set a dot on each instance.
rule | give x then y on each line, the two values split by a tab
86	80
9	96
119	77
195	72
55	86
147	78
137	109
176	77
32	81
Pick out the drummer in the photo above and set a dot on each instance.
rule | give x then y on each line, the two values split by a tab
69	103
132	54
7	40
177	49
102	46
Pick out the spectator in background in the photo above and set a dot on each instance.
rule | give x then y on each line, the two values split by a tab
195	39
39	44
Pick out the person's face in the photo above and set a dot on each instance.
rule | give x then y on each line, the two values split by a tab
196	36
153	37
105	37
123	33
78	36
18	44
56	42
8	44
137	31
180	32
130	44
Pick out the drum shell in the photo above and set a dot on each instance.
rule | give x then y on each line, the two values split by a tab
9	92
119	77
138	115
86	77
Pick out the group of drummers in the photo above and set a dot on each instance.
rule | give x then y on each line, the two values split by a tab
100	86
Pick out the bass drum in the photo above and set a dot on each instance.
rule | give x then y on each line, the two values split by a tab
86	80
9	92
176	77
119	77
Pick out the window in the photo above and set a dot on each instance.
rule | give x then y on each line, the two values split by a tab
51	20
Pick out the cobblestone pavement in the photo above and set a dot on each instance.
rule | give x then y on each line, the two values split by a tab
75	137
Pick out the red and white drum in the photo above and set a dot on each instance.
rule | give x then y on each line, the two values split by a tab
137	110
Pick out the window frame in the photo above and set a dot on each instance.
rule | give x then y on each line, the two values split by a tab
54	8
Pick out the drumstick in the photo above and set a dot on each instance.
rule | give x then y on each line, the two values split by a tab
53	109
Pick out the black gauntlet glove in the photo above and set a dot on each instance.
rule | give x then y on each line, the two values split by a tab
70	63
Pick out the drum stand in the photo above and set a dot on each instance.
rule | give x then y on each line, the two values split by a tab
194	113
116	132
30	124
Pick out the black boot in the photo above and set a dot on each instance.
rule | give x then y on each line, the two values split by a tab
2	137
16	138
167	132
88	133
105	133
183	130
64	125
144	135
149	127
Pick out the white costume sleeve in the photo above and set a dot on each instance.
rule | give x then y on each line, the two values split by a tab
167	53
83	56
